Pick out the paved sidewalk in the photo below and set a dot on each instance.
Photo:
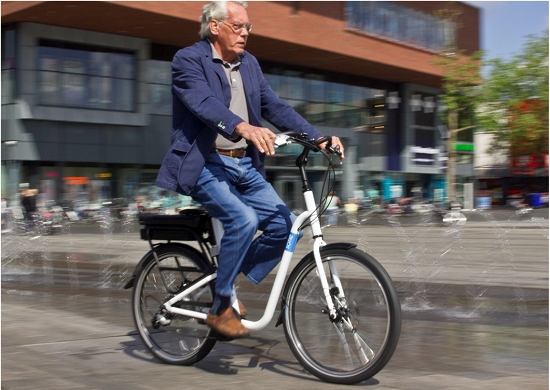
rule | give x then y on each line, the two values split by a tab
474	301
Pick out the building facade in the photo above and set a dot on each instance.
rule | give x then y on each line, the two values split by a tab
504	181
86	94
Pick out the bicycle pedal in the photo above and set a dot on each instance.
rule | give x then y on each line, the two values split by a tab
159	320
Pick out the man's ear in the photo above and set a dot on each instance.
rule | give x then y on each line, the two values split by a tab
215	27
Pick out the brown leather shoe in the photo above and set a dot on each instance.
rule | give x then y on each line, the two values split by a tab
227	324
242	309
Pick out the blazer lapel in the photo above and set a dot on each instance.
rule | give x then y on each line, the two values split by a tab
248	85
223	87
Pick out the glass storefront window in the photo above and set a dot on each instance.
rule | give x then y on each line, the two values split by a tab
374	144
335	93
8	65
85	77
391	20
292	86
424	137
358	96
376	114
425	131
315	88
160	76
319	100
326	102
274	82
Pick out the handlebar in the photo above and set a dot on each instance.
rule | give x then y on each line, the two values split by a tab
310	143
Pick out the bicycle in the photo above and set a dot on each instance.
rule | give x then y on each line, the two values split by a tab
339	308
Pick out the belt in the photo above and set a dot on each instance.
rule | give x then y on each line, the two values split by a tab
237	153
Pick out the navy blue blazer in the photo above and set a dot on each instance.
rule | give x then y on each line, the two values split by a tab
201	96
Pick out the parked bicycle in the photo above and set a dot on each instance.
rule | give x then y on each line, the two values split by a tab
339	308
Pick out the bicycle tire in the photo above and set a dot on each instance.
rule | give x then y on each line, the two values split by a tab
324	346
184	340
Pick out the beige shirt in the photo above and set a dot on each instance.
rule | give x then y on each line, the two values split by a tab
238	99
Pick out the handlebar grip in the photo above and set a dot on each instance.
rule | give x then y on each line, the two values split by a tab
303	139
329	147
322	140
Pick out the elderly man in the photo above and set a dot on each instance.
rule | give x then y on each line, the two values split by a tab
218	148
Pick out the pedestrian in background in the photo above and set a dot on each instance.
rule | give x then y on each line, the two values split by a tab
28	201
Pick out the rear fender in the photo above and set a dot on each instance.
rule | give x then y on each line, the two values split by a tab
145	258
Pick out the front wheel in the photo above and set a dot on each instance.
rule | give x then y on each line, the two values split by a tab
360	339
170	337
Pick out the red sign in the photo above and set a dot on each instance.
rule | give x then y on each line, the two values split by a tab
76	180
526	165
525	162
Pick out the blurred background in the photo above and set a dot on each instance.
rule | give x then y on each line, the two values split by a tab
433	116
86	105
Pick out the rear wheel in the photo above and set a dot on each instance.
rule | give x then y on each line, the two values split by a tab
173	338
360	340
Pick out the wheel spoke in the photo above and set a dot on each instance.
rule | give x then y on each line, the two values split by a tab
345	345
365	352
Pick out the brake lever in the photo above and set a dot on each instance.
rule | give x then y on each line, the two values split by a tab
336	150
333	150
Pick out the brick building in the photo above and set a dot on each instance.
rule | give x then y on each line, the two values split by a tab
86	100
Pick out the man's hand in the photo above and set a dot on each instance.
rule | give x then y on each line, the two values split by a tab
261	137
337	144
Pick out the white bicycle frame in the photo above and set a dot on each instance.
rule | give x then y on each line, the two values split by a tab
280	278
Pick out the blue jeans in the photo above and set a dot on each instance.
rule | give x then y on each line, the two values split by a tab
233	191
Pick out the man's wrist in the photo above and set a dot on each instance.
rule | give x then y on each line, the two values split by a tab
237	131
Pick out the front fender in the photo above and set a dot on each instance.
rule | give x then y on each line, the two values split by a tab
334	245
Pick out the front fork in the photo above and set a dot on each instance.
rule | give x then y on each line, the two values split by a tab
332	291
336	290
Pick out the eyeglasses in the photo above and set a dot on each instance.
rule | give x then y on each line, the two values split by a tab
237	28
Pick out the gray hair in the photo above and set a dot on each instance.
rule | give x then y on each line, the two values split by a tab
215	10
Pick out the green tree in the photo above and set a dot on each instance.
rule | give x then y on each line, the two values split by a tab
513	101
461	75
